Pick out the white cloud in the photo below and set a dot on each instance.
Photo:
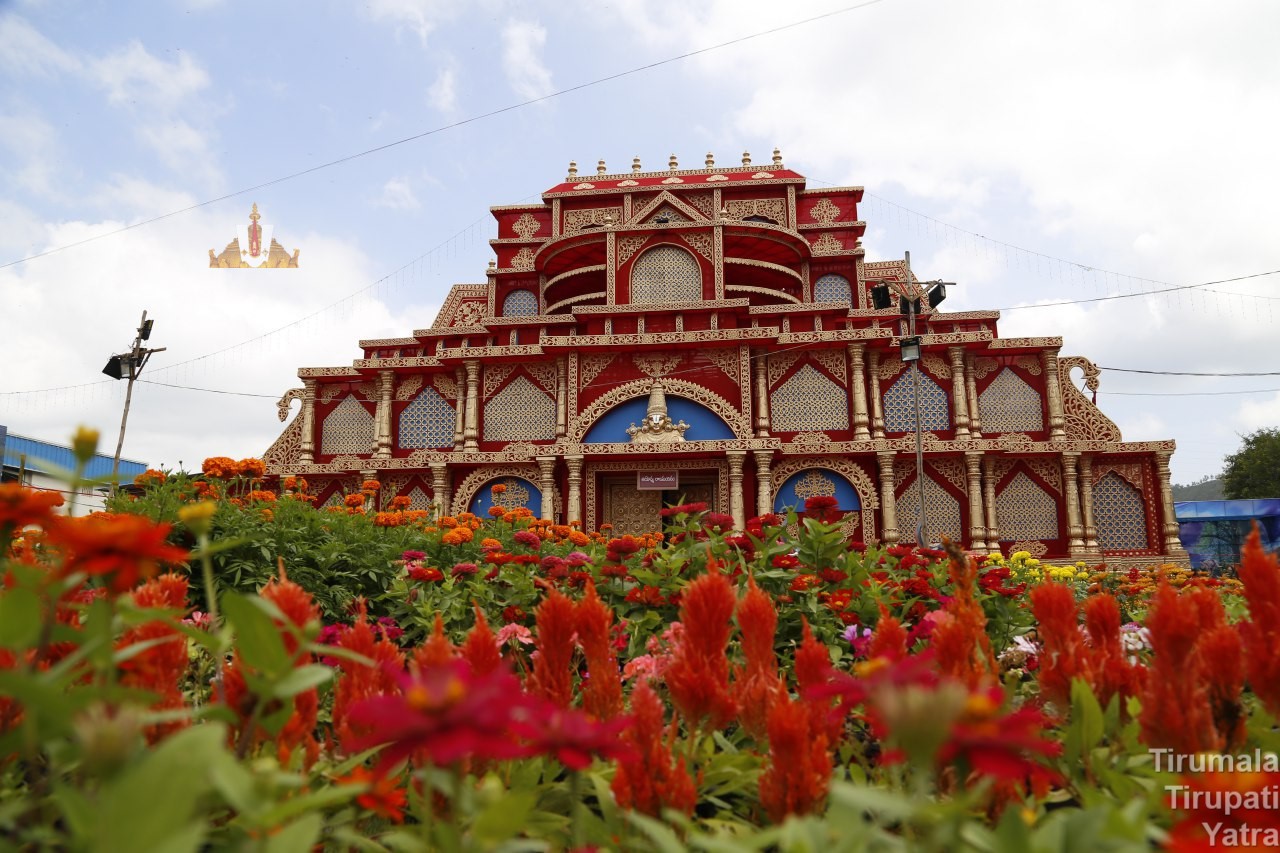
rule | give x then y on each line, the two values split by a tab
185	150
23	50
522	44
442	93
397	194
421	16
1259	414
34	145
135	77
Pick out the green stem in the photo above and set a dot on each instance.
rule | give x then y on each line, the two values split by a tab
576	807
215	622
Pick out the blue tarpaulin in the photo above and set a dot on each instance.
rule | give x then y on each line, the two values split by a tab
1213	531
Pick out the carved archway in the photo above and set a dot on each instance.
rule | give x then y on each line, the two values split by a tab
850	470
472	482
735	420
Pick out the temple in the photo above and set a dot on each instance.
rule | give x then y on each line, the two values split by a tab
711	335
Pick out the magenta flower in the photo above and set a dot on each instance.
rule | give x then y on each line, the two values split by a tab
527	538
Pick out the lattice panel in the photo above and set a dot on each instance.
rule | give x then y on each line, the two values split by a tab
1009	404
666	274
1119	514
832	288
520	412
419	499
348	429
427	422
808	401
942	511
520	303
1026	511
899	412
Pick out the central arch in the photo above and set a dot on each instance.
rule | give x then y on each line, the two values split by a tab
676	388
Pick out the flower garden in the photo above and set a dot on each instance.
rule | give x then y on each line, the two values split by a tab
216	663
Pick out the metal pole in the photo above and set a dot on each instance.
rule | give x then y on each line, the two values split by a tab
135	359
922	529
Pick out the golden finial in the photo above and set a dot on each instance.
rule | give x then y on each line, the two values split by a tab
746	158
608	220
711	160
600	167
777	158
573	170
493	265
672	164
253	214
635	164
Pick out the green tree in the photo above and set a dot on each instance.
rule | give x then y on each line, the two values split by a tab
1253	471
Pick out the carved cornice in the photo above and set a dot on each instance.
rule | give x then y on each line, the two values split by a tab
1025	343
396	361
389	342
817	226
652	307
658	339
572	273
304	372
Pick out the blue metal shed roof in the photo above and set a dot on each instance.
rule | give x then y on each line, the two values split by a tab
1226	510
38	452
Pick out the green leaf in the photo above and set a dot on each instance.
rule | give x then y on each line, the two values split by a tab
301	679
20	612
298	837
257	638
504	817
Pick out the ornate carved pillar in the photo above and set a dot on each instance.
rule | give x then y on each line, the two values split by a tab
307	455
764	481
959	400
562	398
888	509
382	449
1049	357
573	505
989	503
736	503
977	530
858	383
877	412
762	393
547	484
1086	504
460	406
1071	488
971	393
1172	544
440	487
471	424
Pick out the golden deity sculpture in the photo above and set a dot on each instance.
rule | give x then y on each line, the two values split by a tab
657	426
254	247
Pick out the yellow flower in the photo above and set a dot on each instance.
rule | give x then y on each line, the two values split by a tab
198	516
84	444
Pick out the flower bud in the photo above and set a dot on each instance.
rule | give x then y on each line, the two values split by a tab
84	443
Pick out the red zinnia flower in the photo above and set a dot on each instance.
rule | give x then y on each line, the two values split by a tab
121	549
384	796
20	507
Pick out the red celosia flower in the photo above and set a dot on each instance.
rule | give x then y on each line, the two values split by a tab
698	676
1221	653
756	684
961	643
1260	635
552	675
1176	713
385	796
651	778
1062	660
602	694
437	649
889	640
481	649
359	680
1223	810
798	772
20	507
120	549
1109	671
813	671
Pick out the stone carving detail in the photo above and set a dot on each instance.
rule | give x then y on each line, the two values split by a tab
514	497
520	412
815	484
576	220
1035	549
1029	363
627	247
526	226
408	387
779	364
702	202
329	393
890	367
657	426
811	440
769	208
1047	469
591	366
833	361
737	421
495	375
952	470
666	274
282	405
523	259
427	422
468	314
1131	471
285	451
632	511
544	374
825	211
808	401
936	365
1119	514
702	243
656	366
446	385
1025	511
348	429
982	367
725	359
899	411
1009	404
665	214
1081	417
827	244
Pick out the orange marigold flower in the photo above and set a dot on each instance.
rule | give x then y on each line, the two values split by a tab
370	486
448	521
120	549
221	467
260	496
251	468
150	477
354	500
401	502
498	488
159	668
388	519
290	483
20	506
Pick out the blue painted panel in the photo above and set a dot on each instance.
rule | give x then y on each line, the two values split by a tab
38	452
1237	509
484	497
704	424
846	494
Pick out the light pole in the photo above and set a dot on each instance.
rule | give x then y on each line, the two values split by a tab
130	364
910	349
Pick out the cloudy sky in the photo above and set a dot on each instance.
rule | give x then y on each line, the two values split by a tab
1031	152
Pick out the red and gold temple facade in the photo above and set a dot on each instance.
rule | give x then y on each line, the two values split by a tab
710	334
